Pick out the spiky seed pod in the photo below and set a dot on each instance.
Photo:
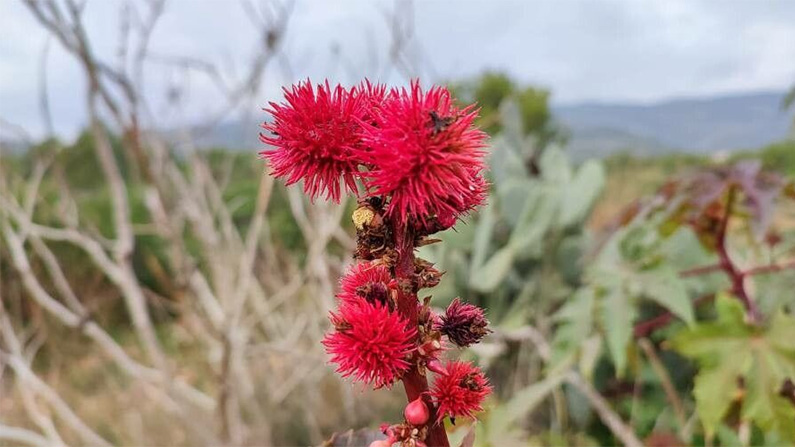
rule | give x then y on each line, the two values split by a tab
460	392
316	134
368	282
464	324
370	343
425	154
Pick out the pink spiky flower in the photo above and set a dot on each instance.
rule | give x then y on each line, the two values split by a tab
461	391
426	154
373	96
316	134
370	343
368	282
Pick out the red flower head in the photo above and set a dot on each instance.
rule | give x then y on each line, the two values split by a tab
368	282
461	391
316	135
426	154
463	323
370	343
373	96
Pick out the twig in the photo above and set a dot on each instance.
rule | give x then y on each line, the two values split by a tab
667	384
609	417
645	328
21	435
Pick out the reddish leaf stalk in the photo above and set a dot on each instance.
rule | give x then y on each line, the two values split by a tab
725	265
735	275
767	269
415	383
644	328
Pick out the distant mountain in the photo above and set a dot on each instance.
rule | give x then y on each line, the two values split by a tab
696	125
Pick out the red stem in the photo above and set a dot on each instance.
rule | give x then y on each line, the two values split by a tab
414	383
726	265
736	276
644	328
701	270
772	268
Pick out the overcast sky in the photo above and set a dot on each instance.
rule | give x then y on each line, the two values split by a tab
608	50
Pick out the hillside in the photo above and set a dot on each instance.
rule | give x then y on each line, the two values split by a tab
695	125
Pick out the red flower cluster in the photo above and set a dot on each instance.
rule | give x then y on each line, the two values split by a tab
370	282
413	146
414	159
461	391
370	343
317	135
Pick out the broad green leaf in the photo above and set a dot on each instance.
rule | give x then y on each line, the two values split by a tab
539	212
763	404
728	349
714	390
487	278
513	195
617	315
580	194
662	284
555	166
576	322
482	238
728	437
591	350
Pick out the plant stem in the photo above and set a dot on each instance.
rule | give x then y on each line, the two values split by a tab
667	384
771	268
415	383
736	276
645	328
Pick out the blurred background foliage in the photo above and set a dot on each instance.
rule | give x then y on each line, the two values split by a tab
571	259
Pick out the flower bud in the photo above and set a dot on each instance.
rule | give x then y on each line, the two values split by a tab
417	412
436	366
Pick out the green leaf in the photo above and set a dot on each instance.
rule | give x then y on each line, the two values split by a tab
482	239
581	193
591	350
714	390
555	166
763	404
513	195
662	285
539	212
487	278
617	315
576	322
728	349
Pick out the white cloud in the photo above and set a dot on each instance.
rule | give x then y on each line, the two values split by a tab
601	49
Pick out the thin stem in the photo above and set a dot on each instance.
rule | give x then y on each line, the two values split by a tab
415	383
644	328
771	268
667	384
736	277
701	270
